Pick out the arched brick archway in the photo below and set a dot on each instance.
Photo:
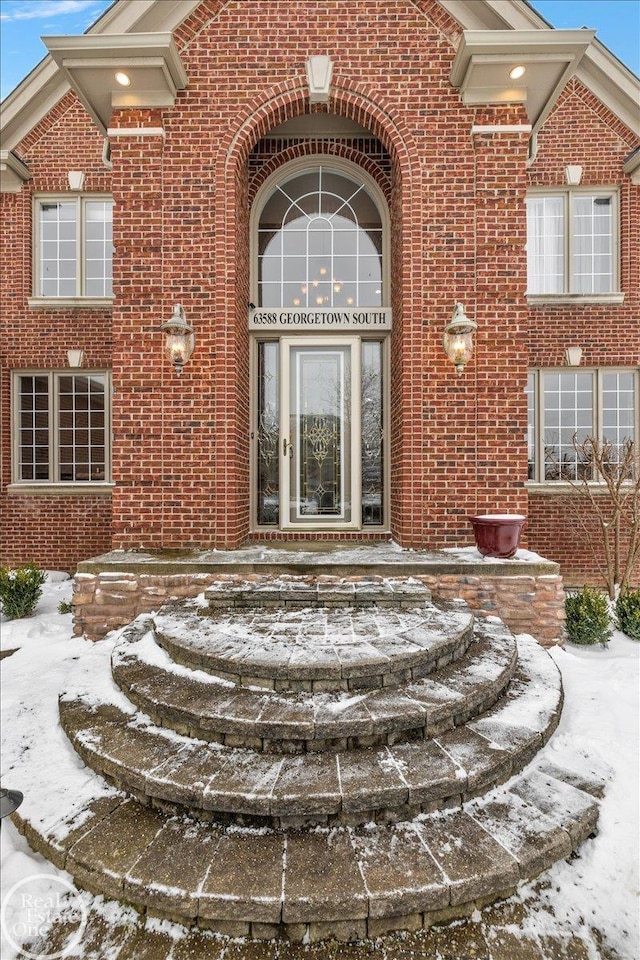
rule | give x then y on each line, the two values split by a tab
269	109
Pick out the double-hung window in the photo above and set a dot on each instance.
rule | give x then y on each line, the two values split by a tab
73	247
572	241
61	427
568	406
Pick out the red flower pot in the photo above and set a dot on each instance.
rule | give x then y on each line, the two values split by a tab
498	534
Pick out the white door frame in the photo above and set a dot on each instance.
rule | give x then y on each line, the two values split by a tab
352	489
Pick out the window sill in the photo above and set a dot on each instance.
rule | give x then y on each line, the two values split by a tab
577	299
47	489
562	488
66	303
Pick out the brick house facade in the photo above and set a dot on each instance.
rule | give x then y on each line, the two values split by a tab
418	114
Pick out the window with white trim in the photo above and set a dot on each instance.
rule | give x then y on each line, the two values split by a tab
320	240
566	404
73	246
572	242
61	422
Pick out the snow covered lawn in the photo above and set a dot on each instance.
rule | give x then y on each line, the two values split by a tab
598	735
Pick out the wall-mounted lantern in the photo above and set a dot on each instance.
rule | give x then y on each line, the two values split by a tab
179	338
458	338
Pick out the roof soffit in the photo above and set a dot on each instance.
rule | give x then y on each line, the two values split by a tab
484	58
45	86
599	70
90	63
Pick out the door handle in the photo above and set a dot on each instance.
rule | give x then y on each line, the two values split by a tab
287	448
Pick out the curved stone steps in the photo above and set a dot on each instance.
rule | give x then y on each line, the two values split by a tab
214	781
202	706
313	650
311	885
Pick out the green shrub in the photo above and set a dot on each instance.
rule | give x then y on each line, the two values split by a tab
65	606
20	590
628	613
588	618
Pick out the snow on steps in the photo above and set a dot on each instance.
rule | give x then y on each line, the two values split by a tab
315	650
213	781
313	884
202	706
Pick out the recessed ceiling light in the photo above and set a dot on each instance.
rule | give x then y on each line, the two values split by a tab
123	79
517	72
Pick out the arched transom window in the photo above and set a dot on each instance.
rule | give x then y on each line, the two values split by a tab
320	242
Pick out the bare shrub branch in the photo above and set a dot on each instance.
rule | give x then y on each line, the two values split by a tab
608	481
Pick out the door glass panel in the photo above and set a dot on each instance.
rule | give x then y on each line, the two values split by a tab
372	433
268	433
320	434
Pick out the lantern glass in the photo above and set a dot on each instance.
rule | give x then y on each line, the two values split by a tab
178	347
459	348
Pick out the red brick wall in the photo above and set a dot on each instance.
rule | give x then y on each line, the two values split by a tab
566	528
56	531
181	445
581	131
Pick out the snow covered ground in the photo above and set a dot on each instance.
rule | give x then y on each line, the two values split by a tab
598	734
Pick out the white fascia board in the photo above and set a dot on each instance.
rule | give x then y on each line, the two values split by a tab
30	102
144	16
13	172
631	166
613	83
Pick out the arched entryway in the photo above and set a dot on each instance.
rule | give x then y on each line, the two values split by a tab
320	326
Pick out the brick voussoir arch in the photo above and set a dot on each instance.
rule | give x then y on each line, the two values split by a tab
267	110
330	148
350	99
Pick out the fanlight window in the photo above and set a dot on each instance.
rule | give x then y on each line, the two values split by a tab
320	243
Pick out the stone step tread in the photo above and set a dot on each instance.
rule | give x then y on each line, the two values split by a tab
316	591
315	649
153	762
208	708
371	878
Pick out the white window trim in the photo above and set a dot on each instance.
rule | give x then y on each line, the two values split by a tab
568	296
79	300
539	484
18	485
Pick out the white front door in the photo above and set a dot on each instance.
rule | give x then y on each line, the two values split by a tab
320	448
